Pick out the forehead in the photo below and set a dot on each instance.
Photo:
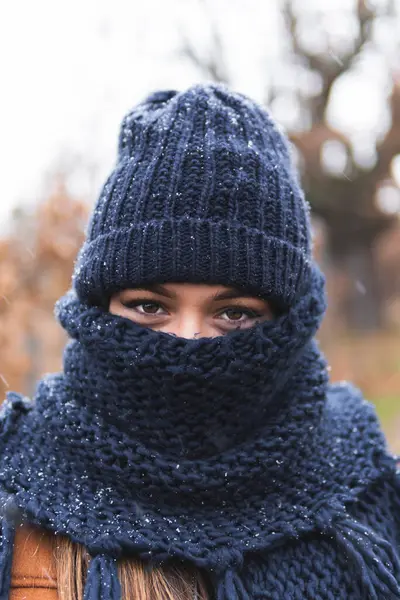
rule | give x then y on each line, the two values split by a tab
190	291
198	288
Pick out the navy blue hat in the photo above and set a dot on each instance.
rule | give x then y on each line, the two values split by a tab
203	191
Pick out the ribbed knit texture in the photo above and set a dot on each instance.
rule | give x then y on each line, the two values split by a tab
203	191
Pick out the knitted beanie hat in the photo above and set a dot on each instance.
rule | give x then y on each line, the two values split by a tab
204	192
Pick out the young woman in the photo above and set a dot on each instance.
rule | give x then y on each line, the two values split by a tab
192	447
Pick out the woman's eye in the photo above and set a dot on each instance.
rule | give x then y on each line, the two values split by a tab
149	308
145	308
237	315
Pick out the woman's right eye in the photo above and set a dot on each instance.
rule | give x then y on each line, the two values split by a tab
145	308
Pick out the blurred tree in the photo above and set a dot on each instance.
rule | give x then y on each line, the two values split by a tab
358	199
36	263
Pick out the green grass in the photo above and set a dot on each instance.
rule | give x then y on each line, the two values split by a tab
388	409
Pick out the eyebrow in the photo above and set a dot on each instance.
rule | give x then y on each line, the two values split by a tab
157	288
230	295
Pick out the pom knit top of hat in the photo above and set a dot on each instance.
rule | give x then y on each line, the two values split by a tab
233	453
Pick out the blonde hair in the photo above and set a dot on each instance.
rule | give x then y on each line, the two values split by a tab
137	581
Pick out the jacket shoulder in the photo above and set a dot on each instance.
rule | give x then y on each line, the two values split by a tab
345	392
347	405
33	574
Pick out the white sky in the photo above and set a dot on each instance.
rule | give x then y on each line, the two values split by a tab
70	70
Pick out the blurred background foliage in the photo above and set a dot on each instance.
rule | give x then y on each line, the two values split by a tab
351	176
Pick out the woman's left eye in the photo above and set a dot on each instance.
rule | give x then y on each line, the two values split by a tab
237	315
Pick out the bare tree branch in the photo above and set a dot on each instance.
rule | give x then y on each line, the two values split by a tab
390	145
329	66
213	66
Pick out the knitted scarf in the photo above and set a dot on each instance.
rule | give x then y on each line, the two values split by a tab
207	451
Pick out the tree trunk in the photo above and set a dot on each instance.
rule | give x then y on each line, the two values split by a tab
363	307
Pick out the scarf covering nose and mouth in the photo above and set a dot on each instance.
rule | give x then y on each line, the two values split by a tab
187	398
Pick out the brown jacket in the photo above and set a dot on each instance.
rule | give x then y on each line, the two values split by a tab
33	575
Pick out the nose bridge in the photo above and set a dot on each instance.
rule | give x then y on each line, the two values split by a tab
190	323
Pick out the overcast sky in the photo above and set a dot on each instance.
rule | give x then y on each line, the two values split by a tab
70	70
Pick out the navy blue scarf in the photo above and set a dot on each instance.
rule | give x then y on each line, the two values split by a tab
207	450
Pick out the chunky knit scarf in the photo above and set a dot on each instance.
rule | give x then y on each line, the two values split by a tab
231	453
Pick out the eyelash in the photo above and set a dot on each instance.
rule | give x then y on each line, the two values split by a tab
251	314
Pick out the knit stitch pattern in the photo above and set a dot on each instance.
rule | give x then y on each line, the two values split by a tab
203	191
